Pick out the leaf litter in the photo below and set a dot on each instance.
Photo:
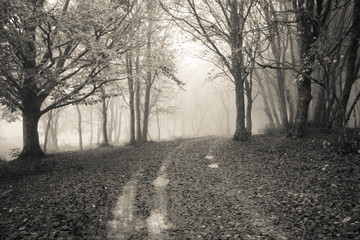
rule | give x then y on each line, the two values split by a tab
265	188
71	195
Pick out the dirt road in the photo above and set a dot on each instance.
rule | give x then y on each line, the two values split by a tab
204	188
264	188
194	197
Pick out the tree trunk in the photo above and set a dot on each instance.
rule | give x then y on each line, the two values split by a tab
282	99
157	121
126	125
131	97
311	17
112	119
268	113
116	123
137	100
291	108
280	74
248	88
54	130
47	129
271	99
146	112
148	84
266	104
31	145
31	102
304	98
236	44
240	130
304	23
351	70
79	127
91	125
335	72
98	136
319	118
104	118
289	97
331	99
119	122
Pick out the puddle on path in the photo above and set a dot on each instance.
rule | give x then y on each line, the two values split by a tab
160	182
213	165
124	223
157	222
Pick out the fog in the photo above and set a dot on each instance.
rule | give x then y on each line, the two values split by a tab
201	108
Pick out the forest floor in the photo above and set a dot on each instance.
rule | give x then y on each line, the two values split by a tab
268	187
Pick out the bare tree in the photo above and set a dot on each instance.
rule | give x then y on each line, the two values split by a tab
223	34
310	18
352	69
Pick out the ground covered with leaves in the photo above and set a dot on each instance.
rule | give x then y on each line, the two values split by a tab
268	187
264	188
70	195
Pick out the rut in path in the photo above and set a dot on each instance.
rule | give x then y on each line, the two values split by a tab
126	224
205	154
157	223
213	197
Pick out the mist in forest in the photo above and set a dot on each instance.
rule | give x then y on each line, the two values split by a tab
144	71
202	107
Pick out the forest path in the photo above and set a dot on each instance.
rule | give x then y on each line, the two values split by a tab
194	196
213	188
208	195
125	223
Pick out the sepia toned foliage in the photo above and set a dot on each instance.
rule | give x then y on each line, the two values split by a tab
300	57
46	47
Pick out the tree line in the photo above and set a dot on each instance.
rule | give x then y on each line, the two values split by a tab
300	56
296	52
57	53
